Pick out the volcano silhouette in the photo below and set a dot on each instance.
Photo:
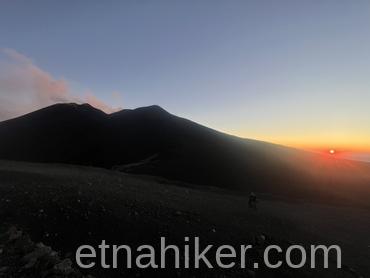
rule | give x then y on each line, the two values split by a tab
151	141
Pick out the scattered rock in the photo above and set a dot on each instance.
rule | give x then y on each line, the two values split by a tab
251	273
260	239
13	234
32	258
24	258
64	268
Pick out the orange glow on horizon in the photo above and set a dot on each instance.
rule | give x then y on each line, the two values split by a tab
339	143
327	147
344	144
324	147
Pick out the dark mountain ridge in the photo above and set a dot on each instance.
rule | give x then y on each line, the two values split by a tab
156	142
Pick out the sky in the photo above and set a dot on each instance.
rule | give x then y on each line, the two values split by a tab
289	72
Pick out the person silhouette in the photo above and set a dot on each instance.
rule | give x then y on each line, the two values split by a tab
252	202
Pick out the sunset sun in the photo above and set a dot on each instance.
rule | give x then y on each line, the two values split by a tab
332	151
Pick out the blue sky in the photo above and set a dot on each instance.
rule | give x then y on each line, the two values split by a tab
291	72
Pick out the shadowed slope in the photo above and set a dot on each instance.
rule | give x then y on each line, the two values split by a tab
150	140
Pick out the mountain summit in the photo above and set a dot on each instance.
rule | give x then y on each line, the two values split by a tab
149	140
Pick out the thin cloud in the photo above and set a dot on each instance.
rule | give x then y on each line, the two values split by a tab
97	103
25	87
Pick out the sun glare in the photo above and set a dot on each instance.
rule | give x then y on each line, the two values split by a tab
332	151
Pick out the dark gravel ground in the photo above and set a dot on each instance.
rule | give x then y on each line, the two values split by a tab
66	206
